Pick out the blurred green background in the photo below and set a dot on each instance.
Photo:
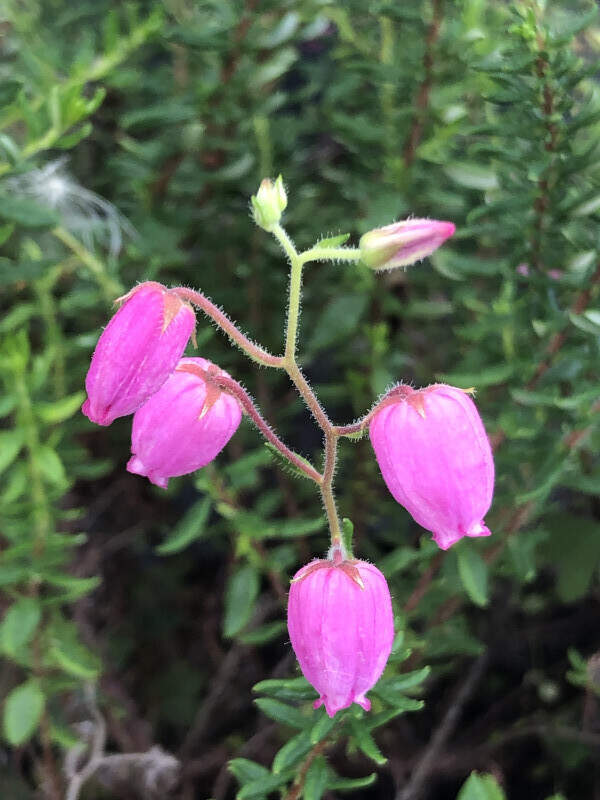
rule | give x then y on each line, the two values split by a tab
132	135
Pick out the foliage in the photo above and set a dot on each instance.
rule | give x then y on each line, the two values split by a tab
171	603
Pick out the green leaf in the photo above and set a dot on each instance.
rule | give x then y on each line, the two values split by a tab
75	659
242	591
261	787
334	241
246	770
189	528
471	175
59	410
265	633
473	573
316	779
27	212
352	783
322	727
19	625
286	689
23	710
292	751
51	466
481	787
7	403
401	683
11	443
338	321
17	316
281	712
573	551
365	741
347	535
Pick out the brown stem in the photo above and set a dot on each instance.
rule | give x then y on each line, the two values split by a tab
298	785
416	131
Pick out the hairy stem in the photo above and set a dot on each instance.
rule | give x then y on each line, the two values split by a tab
233	388
291	366
254	351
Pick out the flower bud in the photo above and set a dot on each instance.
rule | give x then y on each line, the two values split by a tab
137	351
341	627
184	426
436	459
269	203
403	243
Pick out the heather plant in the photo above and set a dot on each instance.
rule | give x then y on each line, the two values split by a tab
143	638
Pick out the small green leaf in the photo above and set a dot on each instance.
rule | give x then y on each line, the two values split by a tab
334	241
473	573
189	528
51	466
262	787
365	742
481	787
316	779
281	712
246	770
242	591
347	534
23	710
19	625
11	443
352	783
338	320
292	751
321	727
265	633
286	689
59	410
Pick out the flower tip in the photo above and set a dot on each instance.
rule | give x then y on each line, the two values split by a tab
98	419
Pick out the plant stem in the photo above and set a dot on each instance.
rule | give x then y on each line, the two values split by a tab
317	253
233	388
254	351
291	366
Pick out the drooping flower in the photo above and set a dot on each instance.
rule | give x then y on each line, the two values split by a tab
184	426
137	351
341	627
436	459
403	243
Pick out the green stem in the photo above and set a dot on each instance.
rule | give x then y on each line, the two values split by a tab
291	366
317	253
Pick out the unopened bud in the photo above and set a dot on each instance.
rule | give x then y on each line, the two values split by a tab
269	203
403	243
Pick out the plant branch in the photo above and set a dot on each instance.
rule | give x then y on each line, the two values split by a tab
111	287
298	785
232	387
254	351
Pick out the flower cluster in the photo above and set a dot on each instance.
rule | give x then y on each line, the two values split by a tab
430	444
181	421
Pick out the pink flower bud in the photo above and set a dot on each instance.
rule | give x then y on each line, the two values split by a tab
403	243
137	351
341	626
184	425
436	459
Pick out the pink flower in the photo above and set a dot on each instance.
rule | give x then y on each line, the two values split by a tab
137	351
403	243
436	459
341	626
184	425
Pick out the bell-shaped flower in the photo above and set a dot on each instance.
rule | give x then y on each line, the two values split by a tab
137	351
403	243
341	627
185	425
436	459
